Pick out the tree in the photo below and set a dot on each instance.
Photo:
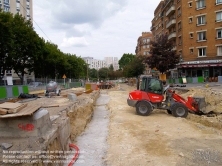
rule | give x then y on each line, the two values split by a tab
135	68
125	60
6	41
111	68
103	73
162	56
93	73
24	46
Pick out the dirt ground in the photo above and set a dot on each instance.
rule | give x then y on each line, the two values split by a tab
161	139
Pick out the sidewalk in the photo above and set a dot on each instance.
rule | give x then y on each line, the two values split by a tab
211	85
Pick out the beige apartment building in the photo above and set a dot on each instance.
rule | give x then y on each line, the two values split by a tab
143	44
195	28
23	7
143	47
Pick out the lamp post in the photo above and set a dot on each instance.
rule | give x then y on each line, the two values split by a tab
87	78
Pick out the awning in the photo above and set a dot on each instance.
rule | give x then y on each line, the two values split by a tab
199	65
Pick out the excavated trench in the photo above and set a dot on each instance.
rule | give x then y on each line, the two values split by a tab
64	124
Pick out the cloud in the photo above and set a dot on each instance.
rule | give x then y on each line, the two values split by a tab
92	12
97	28
74	42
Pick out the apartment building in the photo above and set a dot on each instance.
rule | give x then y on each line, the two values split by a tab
195	28
143	48
94	63
112	61
23	7
143	44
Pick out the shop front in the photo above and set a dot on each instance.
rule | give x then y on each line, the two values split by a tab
204	71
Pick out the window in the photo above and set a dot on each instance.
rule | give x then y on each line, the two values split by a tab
180	40
27	4
6	1
190	20
201	36
219	16
218	1
202	51
6	9
144	46
17	6
219	50
219	33
179	26
144	53
191	50
191	35
27	11
148	40
179	11
201	20
201	4
190	4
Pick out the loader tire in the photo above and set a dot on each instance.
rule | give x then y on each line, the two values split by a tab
179	110
144	108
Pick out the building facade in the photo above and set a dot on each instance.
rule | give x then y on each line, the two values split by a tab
23	7
195	28
143	44
112	61
143	48
94	63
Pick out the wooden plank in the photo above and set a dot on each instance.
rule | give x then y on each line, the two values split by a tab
29	110
9	105
3	111
12	111
47	106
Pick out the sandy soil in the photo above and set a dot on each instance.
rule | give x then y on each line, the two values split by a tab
159	139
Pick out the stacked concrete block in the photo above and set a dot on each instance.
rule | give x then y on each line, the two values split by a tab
26	126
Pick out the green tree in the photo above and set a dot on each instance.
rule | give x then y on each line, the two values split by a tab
162	56
125	60
111	68
103	73
24	47
135	68
93	74
6	41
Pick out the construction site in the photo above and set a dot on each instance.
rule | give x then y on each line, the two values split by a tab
97	127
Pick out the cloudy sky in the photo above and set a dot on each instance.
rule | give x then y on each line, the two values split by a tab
95	28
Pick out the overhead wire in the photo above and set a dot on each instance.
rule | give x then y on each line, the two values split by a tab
34	21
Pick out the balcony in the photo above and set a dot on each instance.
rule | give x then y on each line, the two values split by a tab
171	23
171	10
172	35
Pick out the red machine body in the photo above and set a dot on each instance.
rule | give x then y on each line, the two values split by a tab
151	95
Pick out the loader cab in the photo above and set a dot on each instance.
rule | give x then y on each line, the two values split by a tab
151	85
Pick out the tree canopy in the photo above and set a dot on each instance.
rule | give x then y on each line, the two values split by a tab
125	60
22	50
162	56
135	68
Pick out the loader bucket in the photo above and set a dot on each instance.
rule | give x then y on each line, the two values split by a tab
201	104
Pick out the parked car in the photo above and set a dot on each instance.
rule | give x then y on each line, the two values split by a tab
34	84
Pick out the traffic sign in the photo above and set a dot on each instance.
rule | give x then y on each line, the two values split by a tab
64	76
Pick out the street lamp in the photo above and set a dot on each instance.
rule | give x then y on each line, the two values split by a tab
87	78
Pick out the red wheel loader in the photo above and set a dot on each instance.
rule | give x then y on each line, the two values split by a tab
150	95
